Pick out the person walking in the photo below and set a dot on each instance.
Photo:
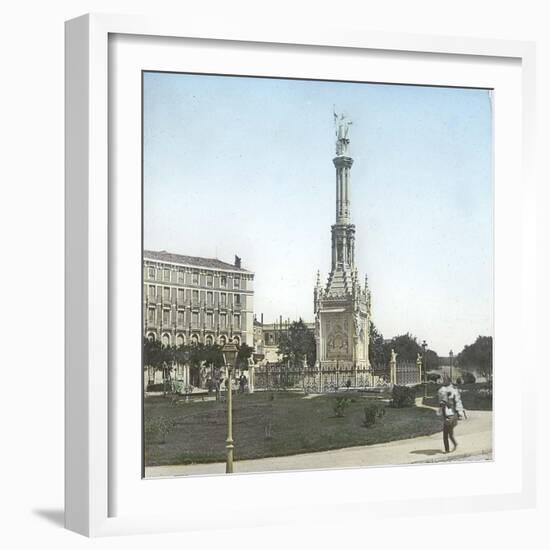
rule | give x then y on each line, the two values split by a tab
451	410
242	383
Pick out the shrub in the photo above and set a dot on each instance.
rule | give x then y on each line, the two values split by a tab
158	427
469	378
403	396
340	406
372	412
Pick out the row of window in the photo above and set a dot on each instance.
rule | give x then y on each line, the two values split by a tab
193	277
178	295
167	339
169	317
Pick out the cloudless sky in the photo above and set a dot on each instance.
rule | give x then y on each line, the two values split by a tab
240	165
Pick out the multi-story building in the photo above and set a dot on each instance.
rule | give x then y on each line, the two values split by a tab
187	299
267	337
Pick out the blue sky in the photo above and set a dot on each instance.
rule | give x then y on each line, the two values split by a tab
239	165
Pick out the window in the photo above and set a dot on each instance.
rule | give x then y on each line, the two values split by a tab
236	283
151	316
229	299
195	278
237	321
209	280
166	293
223	281
165	316
237	299
195	297
152	291
181	318
166	274
209	320
223	321
195	319
181	296
181	276
209	299
223	298
151	272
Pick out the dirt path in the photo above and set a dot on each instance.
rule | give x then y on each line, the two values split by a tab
474	437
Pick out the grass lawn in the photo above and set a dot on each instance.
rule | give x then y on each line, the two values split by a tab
284	425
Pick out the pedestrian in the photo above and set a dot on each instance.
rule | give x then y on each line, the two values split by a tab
242	383
451	410
217	387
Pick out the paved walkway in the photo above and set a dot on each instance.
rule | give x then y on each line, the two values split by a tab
474	437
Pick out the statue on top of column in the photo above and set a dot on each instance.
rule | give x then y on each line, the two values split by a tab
341	126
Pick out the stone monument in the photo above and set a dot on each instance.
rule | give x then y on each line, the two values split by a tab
342	306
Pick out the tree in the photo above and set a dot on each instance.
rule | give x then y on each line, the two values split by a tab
478	356
298	342
377	351
245	352
152	354
407	348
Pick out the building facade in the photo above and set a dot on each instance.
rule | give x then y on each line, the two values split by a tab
267	337
342	306
188	299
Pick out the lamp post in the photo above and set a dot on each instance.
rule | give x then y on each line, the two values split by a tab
424	346
229	352
451	354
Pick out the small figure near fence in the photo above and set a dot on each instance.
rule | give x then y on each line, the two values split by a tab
242	383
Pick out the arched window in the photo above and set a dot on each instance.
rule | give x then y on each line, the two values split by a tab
194	340
180	340
209	340
165	339
223	340
151	337
237	340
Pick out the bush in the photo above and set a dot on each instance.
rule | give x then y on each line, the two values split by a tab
372	412
403	396
340	406
158	427
468	378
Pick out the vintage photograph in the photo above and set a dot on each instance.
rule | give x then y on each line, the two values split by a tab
317	274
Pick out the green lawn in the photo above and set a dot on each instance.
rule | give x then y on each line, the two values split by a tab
287	424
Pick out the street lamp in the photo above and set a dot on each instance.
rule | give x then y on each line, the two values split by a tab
229	352
424	346
451	354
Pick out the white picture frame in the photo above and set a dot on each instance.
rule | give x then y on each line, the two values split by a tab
91	400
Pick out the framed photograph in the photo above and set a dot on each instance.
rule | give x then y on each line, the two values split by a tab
294	268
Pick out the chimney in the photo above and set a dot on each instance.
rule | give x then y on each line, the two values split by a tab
237	262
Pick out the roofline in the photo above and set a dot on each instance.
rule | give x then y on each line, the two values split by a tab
184	264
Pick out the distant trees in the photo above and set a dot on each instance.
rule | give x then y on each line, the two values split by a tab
298	341
478	356
405	345
378	352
